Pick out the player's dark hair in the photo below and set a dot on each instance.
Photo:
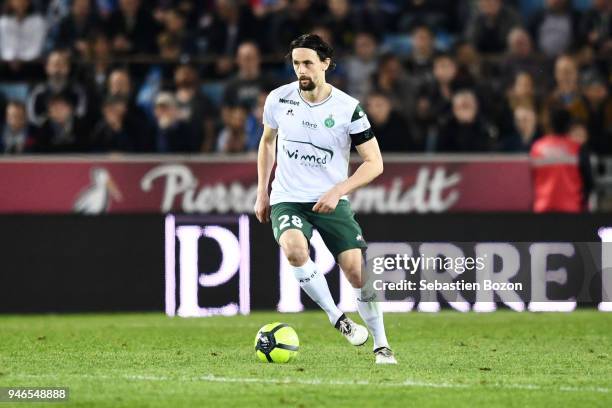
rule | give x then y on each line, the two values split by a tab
315	43
560	121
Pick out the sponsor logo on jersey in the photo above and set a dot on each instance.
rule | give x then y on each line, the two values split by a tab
318	157
289	101
309	125
290	112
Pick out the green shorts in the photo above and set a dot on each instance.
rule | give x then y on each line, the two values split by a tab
339	229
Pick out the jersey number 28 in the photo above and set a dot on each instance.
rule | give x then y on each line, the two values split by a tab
284	221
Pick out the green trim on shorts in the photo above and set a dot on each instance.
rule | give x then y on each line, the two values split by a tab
339	230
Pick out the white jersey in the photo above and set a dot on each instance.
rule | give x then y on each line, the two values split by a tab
313	142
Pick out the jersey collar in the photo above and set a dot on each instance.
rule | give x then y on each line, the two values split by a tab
310	104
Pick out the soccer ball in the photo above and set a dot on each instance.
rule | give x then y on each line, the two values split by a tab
276	343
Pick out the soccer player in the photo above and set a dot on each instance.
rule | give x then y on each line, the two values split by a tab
309	125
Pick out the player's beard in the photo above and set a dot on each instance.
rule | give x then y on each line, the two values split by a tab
306	84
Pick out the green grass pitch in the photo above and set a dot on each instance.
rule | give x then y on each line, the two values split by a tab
447	359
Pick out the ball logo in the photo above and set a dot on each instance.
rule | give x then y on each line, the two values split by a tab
265	343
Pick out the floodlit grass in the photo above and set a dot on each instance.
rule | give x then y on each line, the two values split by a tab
446	359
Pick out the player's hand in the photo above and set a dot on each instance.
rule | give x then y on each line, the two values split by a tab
328	202
262	207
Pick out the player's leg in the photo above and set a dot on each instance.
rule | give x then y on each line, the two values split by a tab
351	262
339	231
295	247
292	231
344	238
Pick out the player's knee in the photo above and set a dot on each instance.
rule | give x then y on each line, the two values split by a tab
297	255
353	275
295	247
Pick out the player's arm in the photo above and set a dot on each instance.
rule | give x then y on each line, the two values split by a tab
371	168
265	163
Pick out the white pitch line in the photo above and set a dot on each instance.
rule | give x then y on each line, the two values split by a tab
316	381
406	383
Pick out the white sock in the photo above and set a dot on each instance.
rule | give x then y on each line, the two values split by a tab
371	313
315	285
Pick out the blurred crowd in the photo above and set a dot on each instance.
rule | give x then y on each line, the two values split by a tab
192	76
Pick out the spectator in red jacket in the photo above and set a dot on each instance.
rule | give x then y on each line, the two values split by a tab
561	169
